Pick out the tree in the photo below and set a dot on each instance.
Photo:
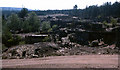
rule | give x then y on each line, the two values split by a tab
116	9
8	39
26	27
105	11
6	34
34	22
45	26
13	23
75	7
23	12
75	11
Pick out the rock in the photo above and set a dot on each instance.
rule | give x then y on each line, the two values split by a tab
65	40
99	53
34	56
94	43
101	43
111	46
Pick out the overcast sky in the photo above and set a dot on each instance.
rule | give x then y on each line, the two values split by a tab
52	4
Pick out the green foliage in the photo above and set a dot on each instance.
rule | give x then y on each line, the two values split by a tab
23	12
46	26
7	38
34	22
6	34
14	40
54	26
21	42
31	23
13	22
47	39
104	10
113	21
26	27
50	30
105	23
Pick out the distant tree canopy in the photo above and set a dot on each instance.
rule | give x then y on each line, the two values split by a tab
23	12
75	12
75	7
104	10
94	11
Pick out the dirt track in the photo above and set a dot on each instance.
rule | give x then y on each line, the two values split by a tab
76	61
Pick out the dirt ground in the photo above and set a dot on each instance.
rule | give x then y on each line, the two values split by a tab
75	61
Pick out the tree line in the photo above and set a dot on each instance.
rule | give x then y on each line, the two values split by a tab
23	22
94	11
105	10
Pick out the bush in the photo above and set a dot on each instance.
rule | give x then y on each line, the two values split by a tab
21	42
3	47
105	23
11	40
113	22
46	26
47	39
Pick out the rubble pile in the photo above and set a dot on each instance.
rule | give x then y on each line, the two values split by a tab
51	49
30	51
87	50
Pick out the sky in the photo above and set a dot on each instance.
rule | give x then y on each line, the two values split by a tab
52	4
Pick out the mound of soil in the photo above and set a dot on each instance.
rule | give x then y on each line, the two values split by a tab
44	49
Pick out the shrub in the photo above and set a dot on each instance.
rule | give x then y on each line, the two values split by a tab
21	42
47	39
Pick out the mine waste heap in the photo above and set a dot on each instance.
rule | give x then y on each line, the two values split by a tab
70	38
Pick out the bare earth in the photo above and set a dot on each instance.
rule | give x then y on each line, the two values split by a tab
75	61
